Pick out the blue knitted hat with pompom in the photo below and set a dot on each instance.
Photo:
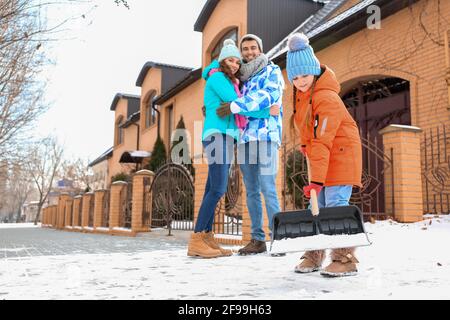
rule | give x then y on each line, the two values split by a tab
229	50
301	59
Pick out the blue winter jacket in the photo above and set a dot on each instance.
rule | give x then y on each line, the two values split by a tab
219	89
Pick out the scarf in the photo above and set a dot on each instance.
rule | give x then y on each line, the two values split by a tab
251	68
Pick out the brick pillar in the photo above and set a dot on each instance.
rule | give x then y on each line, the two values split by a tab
115	207
404	141
60	223
99	195
76	210
85	210
201	177
138	200
68	219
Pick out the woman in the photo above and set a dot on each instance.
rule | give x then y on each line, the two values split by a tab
219	137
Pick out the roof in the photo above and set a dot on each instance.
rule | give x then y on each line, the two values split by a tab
105	155
189	79
206	12
344	25
314	20
132	119
119	96
150	64
134	156
209	7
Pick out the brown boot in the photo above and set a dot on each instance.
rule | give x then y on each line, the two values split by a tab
209	239
253	247
312	261
199	248
343	264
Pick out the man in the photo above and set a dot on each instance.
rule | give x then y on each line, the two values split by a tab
261	137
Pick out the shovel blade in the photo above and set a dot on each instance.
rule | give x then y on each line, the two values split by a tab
331	221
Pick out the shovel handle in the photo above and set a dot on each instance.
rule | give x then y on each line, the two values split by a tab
313	201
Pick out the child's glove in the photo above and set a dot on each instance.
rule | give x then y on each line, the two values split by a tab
312	186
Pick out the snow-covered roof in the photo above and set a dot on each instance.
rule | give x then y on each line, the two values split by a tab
105	155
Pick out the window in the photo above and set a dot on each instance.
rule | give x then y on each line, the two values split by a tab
119	130
229	35
150	113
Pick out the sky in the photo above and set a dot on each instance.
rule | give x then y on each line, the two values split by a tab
101	55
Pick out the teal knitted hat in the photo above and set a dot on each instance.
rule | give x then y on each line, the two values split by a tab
229	50
301	59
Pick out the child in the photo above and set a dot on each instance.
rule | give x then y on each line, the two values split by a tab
330	139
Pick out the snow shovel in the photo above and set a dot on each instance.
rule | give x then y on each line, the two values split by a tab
305	230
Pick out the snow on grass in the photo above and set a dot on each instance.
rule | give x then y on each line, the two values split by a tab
406	261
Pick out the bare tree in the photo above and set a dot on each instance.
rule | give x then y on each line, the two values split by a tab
16	187
21	61
43	164
24	34
78	171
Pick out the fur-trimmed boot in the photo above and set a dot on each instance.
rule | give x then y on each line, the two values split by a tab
312	261
209	238
343	264
198	247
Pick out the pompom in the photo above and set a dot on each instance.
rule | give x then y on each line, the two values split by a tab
298	41
229	42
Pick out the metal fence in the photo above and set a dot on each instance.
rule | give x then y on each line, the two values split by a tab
173	198
375	198
435	151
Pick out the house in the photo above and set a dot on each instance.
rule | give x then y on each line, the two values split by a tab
29	211
100	170
395	82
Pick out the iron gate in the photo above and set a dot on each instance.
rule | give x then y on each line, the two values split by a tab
435	146
374	199
173	198
228	213
91	211
147	205
126	198
105	209
80	212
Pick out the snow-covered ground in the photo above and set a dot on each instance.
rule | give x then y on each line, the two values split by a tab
18	225
406	261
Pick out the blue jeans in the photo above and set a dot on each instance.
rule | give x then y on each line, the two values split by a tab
258	161
335	196
219	149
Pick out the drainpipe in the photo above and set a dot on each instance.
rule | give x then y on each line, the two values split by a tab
159	115
137	140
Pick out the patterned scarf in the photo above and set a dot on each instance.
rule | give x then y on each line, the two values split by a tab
251	68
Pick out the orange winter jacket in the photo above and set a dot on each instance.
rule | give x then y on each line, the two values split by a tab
332	140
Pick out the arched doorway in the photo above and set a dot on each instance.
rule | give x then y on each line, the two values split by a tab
376	103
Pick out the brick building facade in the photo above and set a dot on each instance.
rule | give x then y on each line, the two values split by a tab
395	82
